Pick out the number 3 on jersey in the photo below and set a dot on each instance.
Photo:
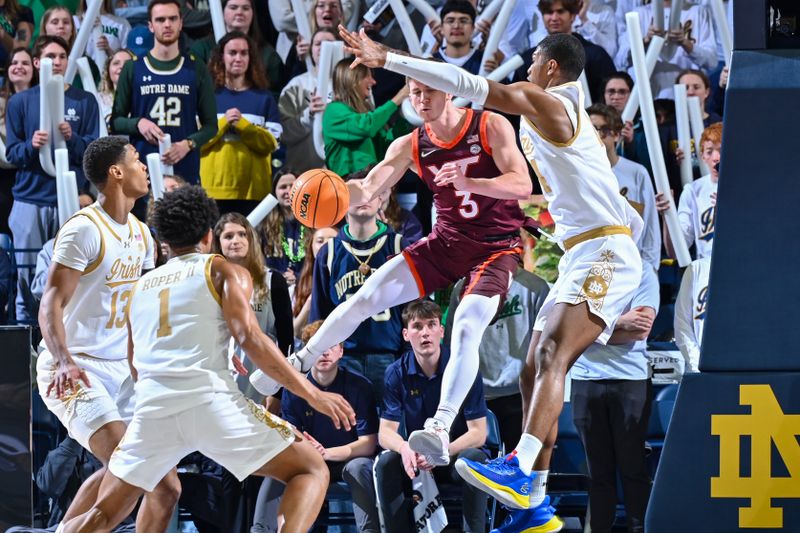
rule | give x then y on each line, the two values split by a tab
166	111
468	208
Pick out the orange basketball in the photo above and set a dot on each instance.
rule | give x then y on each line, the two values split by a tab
319	198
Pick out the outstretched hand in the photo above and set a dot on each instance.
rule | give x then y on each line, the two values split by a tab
366	51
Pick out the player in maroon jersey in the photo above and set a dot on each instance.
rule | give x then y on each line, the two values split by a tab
470	160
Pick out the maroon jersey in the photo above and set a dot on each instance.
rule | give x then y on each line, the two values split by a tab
468	213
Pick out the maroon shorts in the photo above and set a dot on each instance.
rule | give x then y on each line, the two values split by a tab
447	256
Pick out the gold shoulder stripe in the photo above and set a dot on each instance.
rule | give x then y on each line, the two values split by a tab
209	281
91	267
577	126
105	223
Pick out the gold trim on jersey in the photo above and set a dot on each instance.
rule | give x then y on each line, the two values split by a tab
209	281
577	115
602	231
598	280
271	421
91	267
154	70
112	284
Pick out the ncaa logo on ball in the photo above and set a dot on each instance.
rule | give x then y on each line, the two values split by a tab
304	205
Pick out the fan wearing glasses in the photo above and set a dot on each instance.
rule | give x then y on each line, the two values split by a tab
458	25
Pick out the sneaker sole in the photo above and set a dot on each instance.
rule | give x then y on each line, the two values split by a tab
551	526
501	493
428	445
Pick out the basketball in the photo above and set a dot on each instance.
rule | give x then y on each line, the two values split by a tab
319	198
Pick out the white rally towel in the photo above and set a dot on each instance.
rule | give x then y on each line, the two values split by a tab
429	513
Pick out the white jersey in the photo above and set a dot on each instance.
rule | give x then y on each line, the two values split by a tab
180	338
111	257
636	187
690	311
576	177
697	214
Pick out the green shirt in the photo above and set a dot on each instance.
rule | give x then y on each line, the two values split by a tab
123	123
354	140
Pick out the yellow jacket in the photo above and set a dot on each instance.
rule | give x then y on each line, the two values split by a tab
237	163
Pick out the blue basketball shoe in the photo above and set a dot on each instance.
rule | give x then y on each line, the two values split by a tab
541	519
501	478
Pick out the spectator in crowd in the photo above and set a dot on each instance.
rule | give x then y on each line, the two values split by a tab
348	454
355	134
697	208
342	266
34	216
20	76
171	182
559	17
412	389
299	105
236	164
633	146
697	84
166	92
285	20
64	470
504	348
238	15
691	45
301	307
108	85
611	398
282	236
596	23
110	32
237	241
57	20
690	312
458	25
401	220
524	31
16	27
324	14
634	182
45	257
617	90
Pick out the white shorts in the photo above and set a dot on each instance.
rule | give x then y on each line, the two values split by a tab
603	272
87	409
231	430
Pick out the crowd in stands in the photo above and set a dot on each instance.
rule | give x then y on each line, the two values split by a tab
240	113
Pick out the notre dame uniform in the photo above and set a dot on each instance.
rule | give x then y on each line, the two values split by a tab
170	99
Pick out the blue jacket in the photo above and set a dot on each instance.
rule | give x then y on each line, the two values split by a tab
33	185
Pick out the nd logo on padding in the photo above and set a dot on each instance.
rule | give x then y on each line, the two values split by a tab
766	424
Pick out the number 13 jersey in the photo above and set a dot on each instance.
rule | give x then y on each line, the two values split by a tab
110	257
472	214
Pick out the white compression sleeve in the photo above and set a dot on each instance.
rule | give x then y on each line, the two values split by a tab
472	317
392	284
443	76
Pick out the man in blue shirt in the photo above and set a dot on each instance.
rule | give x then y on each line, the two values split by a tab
348	454
34	216
411	395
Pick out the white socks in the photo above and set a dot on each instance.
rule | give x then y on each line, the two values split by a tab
527	451
446	414
539	489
